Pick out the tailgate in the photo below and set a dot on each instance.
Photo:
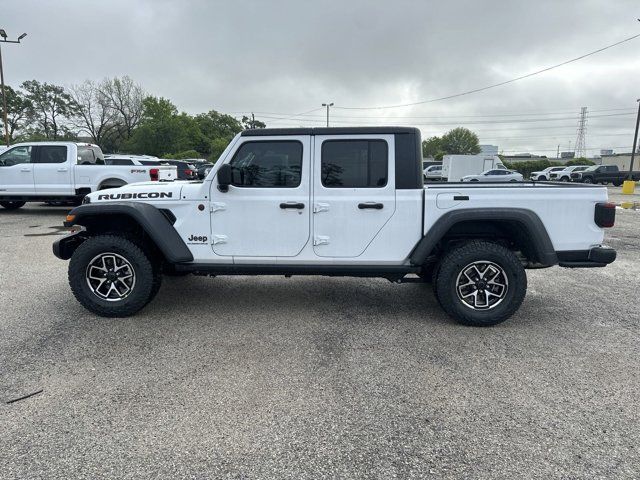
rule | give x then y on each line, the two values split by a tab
167	173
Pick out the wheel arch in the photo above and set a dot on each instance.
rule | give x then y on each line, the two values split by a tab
113	182
128	218
521	226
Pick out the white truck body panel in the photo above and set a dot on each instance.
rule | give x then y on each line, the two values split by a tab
454	167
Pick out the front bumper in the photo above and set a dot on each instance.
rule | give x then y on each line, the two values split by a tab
594	257
64	247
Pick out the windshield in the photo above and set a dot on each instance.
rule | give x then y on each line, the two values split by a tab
591	168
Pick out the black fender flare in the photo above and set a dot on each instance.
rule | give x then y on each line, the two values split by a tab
527	219
151	220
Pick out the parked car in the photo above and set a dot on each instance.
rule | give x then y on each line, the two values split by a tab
603	174
186	171
544	174
497	175
564	175
433	172
54	172
355	205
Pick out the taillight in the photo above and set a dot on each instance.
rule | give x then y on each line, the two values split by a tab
154	173
605	214
188	172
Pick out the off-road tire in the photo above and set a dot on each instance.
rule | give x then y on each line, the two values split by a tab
146	279
457	260
9	205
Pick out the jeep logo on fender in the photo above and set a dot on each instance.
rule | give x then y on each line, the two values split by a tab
129	196
197	239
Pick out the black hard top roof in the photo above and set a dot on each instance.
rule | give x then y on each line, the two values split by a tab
261	132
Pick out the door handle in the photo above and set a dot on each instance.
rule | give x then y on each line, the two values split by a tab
63	169
372	205
295	205
25	169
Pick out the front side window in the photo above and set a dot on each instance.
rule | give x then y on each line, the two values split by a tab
15	156
52	154
267	164
354	163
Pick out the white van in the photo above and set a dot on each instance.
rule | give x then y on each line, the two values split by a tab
454	167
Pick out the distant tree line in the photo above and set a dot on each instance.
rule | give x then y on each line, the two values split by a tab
117	114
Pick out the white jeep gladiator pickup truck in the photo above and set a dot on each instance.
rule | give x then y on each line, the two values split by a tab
337	202
64	171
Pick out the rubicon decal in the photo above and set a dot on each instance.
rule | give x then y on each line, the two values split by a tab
129	196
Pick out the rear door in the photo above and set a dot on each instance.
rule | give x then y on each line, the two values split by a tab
266	211
16	171
52	170
353	192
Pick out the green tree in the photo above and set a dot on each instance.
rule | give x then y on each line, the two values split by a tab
18	109
160	131
50	108
248	123
579	161
432	147
460	141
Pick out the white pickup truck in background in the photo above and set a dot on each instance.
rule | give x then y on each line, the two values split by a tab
65	171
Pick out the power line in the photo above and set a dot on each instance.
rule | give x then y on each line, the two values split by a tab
481	89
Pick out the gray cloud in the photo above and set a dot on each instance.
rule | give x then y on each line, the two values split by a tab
290	56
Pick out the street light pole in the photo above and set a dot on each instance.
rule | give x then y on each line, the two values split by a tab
635	143
3	39
327	105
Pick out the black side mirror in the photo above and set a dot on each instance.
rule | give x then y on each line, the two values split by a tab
224	177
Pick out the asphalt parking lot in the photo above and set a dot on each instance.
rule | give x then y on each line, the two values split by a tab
313	378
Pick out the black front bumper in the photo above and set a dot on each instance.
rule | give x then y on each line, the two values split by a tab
595	257
64	247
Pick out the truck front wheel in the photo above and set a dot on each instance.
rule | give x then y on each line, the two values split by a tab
12	205
481	283
112	276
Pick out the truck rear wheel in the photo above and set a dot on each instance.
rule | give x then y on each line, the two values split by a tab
112	276
12	205
481	283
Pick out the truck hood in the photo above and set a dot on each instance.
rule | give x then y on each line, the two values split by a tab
156	191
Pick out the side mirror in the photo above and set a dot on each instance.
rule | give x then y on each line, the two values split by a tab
224	177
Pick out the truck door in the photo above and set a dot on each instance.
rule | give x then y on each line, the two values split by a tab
266	211
52	170
16	171
353	192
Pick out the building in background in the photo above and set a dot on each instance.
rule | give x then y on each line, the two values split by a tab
622	160
488	149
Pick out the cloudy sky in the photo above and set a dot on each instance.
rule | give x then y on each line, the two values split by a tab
282	58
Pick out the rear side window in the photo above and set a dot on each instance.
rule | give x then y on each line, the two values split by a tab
354	163
52	154
15	156
267	164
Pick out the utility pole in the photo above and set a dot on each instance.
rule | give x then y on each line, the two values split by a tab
253	120
635	143
3	39
558	152
327	105
581	147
